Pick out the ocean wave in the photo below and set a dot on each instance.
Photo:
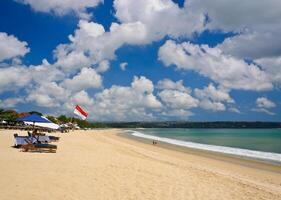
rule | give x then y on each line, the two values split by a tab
267	156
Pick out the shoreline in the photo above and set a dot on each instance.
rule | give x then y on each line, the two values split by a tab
103	164
240	160
161	140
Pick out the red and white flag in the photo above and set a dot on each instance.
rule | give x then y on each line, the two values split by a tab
80	112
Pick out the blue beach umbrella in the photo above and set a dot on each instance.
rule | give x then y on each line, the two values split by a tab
37	120
33	118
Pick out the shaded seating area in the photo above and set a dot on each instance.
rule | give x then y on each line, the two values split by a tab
35	141
31	143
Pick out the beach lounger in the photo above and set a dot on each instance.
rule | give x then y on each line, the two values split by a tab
38	147
41	138
21	140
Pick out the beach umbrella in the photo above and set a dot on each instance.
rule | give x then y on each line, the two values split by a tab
33	118
37	120
50	125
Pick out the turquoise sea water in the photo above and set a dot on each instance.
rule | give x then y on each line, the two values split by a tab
266	140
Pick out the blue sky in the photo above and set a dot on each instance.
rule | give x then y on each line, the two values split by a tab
148	60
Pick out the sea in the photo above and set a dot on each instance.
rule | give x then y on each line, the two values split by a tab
259	144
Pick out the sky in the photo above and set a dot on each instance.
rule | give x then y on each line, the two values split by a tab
145	60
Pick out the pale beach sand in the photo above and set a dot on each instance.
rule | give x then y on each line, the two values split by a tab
100	164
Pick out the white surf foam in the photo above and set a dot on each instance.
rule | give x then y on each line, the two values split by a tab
273	157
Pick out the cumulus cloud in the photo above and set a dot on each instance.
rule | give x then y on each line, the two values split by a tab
256	24
71	62
213	93
253	44
263	104
212	98
176	99
226	70
136	102
160	17
232	16
90	44
272	66
169	84
11	47
103	66
10	102
87	78
81	98
48	95
123	66
60	7
13	78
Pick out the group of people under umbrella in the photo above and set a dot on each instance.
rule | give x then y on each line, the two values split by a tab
36	141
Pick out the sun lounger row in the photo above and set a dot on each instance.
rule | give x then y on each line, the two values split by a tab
35	143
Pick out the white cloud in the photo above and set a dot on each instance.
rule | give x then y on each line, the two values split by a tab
177	99
235	110
48	94
123	66
160	17
212	105
11	47
87	78
62	7
90	44
44	73
169	84
213	93
13	78
71	61
263	102
256	24
103	66
81	98
231	15
263	110
10	102
212	98
136	102
254	44
42	100
228	71
272	66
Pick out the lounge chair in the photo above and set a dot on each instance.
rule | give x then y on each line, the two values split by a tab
45	138
40	138
21	140
38	147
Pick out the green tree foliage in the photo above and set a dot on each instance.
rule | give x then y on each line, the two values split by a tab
9	115
53	119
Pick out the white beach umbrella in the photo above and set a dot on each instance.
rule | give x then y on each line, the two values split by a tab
49	124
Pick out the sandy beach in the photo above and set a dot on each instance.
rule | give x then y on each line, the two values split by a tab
100	164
